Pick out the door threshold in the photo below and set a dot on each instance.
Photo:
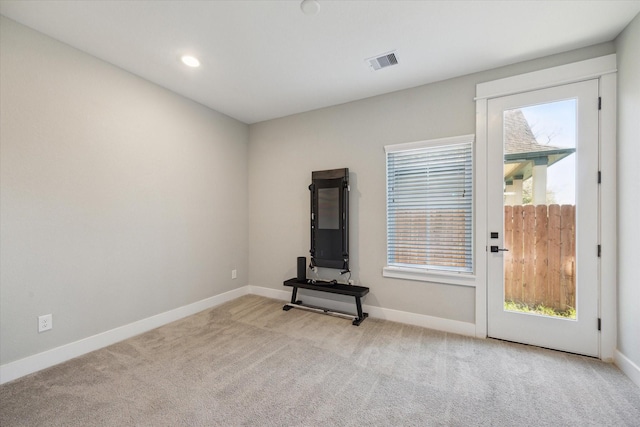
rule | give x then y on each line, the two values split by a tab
545	348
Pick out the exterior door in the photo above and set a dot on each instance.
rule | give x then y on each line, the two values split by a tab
543	269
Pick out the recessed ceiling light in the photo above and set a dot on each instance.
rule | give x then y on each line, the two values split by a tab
310	7
191	61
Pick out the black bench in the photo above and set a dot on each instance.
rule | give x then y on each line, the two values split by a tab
330	287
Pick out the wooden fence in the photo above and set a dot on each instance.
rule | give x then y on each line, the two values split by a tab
435	237
539	267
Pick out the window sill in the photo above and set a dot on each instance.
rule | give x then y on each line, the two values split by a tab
421	275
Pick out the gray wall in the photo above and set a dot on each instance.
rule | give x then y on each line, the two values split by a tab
284	152
119	199
628	46
112	209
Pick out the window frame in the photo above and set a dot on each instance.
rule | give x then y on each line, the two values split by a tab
424	273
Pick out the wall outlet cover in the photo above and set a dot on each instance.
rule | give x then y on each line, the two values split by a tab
45	322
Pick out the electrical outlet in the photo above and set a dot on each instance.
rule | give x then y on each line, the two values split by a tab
45	322
234	274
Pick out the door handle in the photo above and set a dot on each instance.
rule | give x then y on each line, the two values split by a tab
497	249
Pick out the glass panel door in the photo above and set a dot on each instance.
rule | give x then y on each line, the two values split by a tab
543	215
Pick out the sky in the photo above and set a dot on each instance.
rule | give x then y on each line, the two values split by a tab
555	124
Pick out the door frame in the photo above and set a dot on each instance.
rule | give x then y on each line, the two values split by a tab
604	69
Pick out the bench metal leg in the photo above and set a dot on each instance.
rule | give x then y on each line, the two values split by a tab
294	294
361	315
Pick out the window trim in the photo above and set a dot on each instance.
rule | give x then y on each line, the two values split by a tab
426	274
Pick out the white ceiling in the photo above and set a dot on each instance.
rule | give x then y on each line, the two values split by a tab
264	59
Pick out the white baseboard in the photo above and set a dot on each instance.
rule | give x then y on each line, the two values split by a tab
280	294
437	323
37	362
19	368
628	367
430	322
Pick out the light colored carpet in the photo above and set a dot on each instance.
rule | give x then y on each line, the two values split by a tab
248	362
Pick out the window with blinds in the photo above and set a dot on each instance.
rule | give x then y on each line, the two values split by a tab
429	205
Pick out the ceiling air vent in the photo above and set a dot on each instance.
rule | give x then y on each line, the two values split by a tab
383	61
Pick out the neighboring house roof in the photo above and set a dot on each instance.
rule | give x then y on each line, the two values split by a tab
522	150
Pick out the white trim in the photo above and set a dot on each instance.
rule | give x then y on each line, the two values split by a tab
608	218
555	76
480	220
430	322
603	68
407	273
422	320
19	368
627	366
37	362
416	145
280	294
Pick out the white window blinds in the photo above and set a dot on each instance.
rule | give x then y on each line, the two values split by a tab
429	204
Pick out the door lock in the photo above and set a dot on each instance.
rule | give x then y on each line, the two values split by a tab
497	249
